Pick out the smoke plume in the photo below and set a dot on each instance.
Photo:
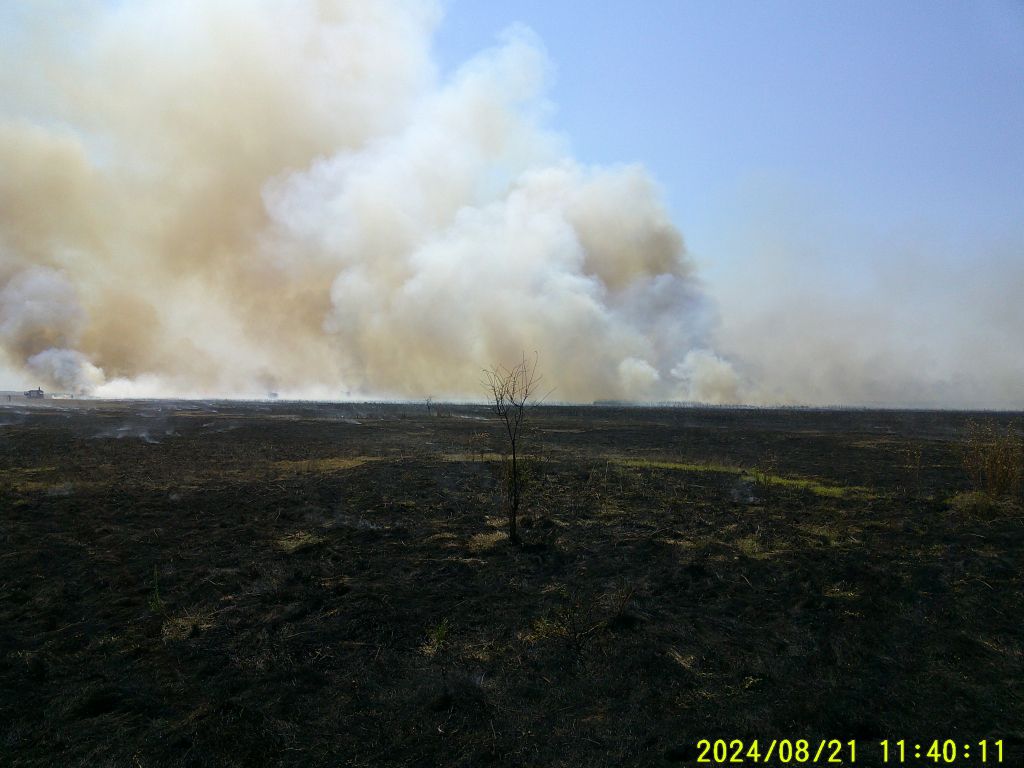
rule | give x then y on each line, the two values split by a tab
833	312
235	197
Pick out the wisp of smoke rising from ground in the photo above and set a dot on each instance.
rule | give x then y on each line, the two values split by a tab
234	197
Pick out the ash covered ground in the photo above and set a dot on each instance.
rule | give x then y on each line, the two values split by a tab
213	583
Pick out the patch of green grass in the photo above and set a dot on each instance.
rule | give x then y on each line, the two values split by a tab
980	504
680	466
749	546
757	546
827	534
437	639
816	487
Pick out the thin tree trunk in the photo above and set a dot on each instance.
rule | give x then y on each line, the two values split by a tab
513	513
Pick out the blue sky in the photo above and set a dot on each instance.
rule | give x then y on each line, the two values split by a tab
903	120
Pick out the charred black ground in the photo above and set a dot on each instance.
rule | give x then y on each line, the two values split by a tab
296	584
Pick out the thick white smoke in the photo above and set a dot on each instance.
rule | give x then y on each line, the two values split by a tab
233	197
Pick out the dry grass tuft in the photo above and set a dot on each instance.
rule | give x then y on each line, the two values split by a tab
994	459
974	503
187	625
482	542
299	540
320	466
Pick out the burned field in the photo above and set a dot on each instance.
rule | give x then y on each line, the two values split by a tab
298	584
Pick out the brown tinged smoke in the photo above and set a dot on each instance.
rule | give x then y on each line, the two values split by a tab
226	198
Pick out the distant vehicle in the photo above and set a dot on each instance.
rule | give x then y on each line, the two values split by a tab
35	394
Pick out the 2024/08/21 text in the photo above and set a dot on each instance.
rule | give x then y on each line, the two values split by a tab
837	752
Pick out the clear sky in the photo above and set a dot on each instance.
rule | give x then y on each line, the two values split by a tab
903	117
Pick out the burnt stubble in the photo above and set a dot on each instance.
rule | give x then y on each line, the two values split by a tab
192	584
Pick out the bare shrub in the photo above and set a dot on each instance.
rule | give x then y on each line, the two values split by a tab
511	391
